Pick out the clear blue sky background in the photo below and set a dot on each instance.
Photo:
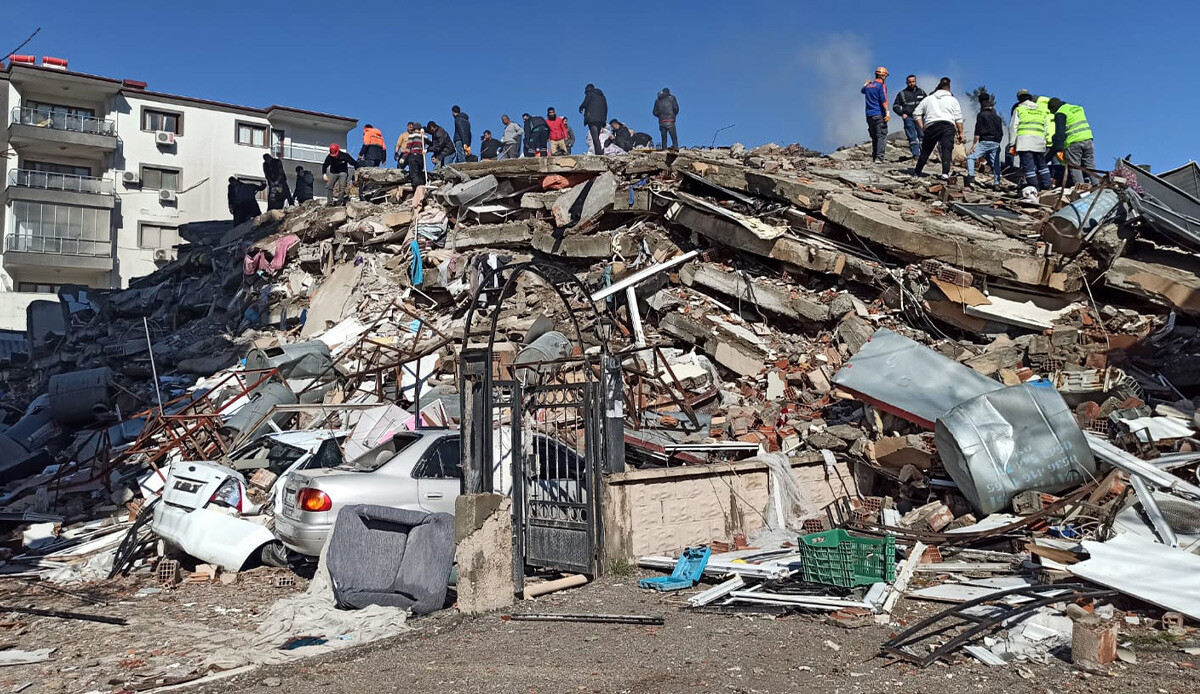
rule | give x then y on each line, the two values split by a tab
784	71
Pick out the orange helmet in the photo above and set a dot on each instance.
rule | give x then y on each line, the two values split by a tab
881	71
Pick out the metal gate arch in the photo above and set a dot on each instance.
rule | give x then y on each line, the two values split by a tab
560	433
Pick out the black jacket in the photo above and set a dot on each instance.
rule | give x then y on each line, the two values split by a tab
536	124
242	193
1060	132
489	149
988	125
441	146
273	171
594	107
462	128
623	138
907	100
304	185
337	164
372	152
666	107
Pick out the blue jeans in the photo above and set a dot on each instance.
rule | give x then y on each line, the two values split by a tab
989	151
914	136
1036	170
459	153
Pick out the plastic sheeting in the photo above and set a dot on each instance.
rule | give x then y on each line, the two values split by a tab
1013	440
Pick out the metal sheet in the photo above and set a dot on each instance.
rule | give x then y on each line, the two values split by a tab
1170	210
910	380
1013	440
1145	570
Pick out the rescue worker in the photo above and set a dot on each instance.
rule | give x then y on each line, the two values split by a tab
374	149
1072	140
304	185
558	132
595	112
666	108
414	154
1027	138
462	134
875	91
336	172
242	202
906	102
537	133
278	191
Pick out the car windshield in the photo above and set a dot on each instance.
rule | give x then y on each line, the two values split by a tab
269	453
378	456
329	455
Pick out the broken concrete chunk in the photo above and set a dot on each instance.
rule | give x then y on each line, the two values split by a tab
586	200
763	294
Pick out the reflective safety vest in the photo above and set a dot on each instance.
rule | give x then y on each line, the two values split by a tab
1043	103
1078	129
1031	121
373	136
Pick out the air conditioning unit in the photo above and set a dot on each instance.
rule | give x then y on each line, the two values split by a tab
164	137
131	178
166	196
163	254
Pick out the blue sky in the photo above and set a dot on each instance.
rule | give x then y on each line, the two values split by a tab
786	71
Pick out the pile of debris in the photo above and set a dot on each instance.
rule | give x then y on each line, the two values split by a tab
969	352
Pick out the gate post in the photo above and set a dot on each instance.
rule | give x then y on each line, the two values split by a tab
612	408
475	391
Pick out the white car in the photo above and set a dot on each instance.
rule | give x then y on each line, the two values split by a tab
206	510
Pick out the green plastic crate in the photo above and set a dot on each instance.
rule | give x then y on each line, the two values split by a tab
837	558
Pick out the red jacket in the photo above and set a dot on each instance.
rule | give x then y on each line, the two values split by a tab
558	128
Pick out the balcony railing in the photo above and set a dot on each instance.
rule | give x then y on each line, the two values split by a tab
57	120
297	152
45	180
57	245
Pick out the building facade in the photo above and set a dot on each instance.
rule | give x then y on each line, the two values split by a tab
99	174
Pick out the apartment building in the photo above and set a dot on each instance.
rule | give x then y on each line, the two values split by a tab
99	173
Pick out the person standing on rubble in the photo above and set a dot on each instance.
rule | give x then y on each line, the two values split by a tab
374	150
414	154
666	108
278	191
940	118
243	204
462	133
875	93
489	147
558	132
441	149
336	172
989	131
510	139
595	112
1072	141
570	136
536	135
304	185
906	102
402	145
1027	139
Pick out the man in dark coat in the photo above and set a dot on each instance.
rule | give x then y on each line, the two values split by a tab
622	135
489	147
278	191
665	110
462	133
595	112
242	203
304	184
441	149
537	135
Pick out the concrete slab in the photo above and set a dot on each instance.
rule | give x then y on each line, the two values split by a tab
765	295
585	200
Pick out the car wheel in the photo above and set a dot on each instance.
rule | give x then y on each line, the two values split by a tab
273	554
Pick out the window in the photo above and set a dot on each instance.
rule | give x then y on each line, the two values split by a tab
48	167
444	461
154	236
40	227
162	120
253	135
156	178
37	288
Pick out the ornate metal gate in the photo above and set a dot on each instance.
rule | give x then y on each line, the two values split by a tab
545	429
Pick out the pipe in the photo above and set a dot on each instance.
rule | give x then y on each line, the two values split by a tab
640	275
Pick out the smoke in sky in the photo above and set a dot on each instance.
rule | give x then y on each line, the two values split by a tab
839	65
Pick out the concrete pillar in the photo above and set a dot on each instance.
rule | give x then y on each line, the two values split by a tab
1093	641
483	532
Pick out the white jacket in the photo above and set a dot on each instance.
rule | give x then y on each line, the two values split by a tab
939	106
1026	143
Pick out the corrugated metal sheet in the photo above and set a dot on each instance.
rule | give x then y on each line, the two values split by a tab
1185	178
1169	210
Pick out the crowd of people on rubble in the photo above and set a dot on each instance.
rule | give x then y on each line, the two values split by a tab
1049	139
536	136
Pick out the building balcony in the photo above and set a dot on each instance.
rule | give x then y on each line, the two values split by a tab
51	132
313	154
67	189
53	235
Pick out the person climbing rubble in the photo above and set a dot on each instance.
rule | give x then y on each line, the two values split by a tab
335	170
940	118
243	204
374	148
595	112
989	131
1027	137
278	191
537	134
1072	139
876	98
304	185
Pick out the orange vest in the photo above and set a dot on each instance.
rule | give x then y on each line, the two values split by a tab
372	136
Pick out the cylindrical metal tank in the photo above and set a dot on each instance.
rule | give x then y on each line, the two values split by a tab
549	347
298	360
1065	229
80	396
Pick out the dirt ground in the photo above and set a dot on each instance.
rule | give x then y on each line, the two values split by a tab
446	652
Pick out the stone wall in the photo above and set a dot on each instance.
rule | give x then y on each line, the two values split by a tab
660	511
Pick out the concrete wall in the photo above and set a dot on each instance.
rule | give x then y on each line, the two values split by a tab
663	510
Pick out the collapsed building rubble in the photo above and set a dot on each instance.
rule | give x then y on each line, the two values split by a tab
950	346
